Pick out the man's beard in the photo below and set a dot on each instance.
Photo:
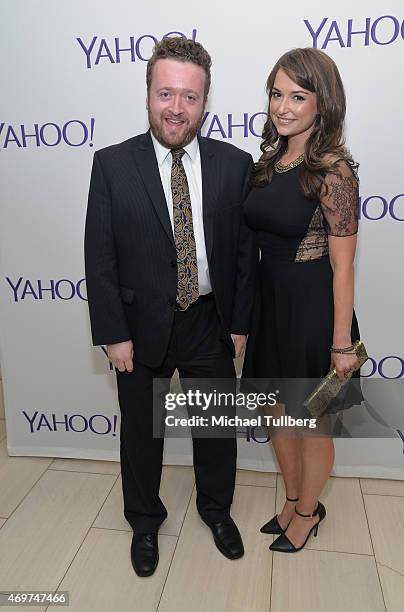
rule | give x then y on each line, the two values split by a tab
188	136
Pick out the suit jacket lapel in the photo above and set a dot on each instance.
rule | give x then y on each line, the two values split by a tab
146	163
209	190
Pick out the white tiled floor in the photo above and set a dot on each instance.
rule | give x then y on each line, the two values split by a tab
61	527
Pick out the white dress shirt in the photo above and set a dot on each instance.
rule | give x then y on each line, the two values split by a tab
191	161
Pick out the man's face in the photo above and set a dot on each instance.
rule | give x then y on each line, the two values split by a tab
176	102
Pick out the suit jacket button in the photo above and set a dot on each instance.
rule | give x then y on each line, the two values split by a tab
173	263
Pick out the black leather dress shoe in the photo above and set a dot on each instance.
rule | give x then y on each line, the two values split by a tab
227	538
144	553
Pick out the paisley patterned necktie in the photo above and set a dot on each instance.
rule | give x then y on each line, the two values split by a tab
187	284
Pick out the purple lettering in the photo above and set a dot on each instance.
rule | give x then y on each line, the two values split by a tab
92	125
31	421
395	33
43	422
364	207
28	290
72	287
85	132
351	32
218	129
42	289
58	134
119	50
338	37
232	125
14	288
100	416
372	371
108	54
392	210
400	361
80	417
78	289
138	43
25	135
104	350
65	422
205	116
87	51
253	435
175	34
251	123
10	132
315	34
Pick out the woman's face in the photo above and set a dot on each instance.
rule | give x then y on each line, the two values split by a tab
293	109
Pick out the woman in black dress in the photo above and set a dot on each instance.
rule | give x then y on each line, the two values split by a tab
304	210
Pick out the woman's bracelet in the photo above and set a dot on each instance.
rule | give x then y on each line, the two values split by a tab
347	350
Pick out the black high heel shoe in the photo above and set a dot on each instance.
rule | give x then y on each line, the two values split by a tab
273	526
283	544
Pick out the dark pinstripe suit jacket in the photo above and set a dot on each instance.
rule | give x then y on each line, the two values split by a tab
130	255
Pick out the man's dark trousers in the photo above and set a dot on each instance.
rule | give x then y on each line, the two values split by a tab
197	350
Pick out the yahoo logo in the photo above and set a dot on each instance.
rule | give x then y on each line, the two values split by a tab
63	289
254	434
139	48
377	207
390	367
98	424
74	133
381	31
245	124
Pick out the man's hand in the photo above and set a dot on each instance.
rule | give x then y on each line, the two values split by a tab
239	344
121	355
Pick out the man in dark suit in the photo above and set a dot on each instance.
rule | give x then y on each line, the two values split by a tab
169	268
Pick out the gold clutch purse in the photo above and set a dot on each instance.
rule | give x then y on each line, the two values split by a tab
331	385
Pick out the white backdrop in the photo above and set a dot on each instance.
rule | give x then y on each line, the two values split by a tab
73	80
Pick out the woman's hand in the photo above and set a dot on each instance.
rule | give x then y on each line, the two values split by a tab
343	363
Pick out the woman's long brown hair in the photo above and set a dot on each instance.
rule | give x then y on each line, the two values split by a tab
315	71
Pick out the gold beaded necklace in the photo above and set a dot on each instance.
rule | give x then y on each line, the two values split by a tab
279	167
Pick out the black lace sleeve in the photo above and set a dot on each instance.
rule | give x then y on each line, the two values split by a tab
341	203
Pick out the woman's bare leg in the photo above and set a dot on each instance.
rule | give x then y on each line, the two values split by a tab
287	447
317	455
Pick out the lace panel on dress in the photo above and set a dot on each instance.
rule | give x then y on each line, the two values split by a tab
341	204
315	243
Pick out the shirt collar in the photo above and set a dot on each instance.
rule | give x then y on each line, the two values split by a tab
162	152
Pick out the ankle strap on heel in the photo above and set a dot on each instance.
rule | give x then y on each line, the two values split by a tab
308	515
293	500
